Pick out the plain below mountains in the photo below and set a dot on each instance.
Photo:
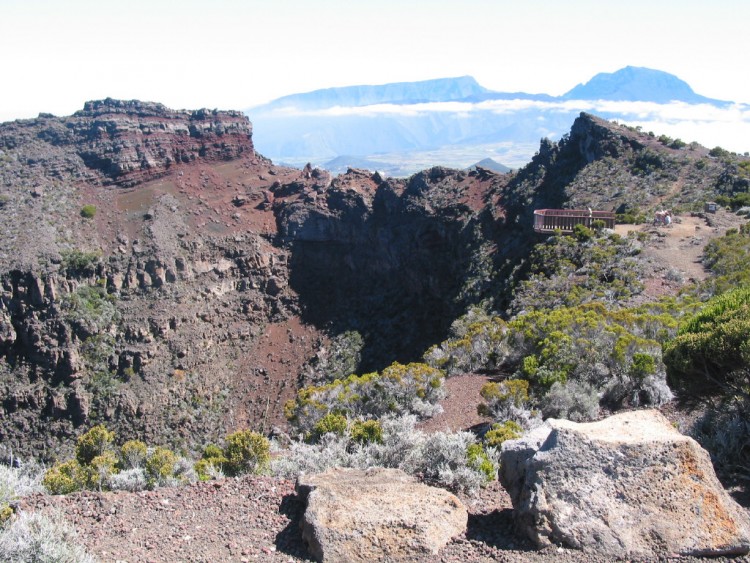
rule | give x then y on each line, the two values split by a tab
403	127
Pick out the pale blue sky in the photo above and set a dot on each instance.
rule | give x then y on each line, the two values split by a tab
234	54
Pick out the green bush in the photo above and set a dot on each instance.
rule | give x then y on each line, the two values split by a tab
330	423
572	270
712	350
507	400
6	512
642	366
77	262
477	459
211	463
212	451
366	432
93	443
398	389
728	258
160	466
88	211
718	152
582	233
502	431
63	478
97	473
133	454
246	452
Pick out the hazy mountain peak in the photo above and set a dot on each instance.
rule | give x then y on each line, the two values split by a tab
436	90
634	83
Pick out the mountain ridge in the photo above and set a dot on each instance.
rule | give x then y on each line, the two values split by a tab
473	122
629	83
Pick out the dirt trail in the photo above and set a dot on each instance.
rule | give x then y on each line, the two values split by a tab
676	252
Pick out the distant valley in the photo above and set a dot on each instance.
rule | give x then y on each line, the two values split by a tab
401	128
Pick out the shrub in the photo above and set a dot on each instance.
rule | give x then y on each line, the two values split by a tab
598	224
97	473
88	211
398	389
93	443
246	452
718	152
132	480
508	400
330	423
6	512
582	233
63	478
477	459
642	366
502	431
212	451
160	467
597	346
576	401
573	270
711	352
366	432
40	538
211	464
344	356
91	311
132	454
728	258
443	459
15	483
725	432
477	343
77	262
450	460
503	395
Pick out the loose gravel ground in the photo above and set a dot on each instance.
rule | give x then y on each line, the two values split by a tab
257	519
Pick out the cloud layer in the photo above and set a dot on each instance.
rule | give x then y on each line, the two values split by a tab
710	125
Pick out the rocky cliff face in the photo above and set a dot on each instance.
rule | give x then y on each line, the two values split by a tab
209	284
128	142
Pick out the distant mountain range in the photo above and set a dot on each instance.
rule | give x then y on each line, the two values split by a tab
402	127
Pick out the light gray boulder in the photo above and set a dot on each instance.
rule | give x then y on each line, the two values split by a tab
376	514
627	486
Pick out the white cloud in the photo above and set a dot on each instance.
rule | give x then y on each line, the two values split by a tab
710	125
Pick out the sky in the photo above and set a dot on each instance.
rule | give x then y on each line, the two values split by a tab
234	54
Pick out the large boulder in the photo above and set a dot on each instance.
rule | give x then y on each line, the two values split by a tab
627	486
376	515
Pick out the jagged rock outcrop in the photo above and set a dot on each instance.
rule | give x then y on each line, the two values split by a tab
378	514
627	486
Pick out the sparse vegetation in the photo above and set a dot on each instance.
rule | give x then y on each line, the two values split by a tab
501	432
450	460
36	537
88	211
398	389
80	263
